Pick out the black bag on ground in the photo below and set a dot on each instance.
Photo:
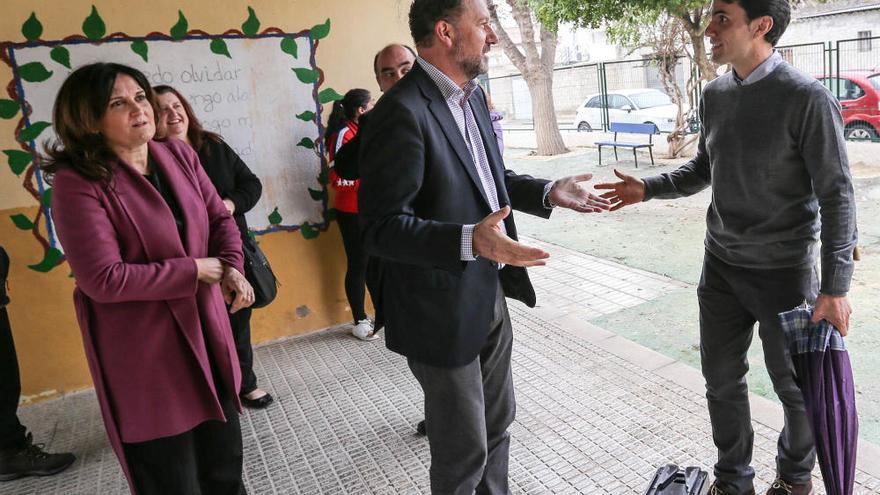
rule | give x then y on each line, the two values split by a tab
258	272
673	480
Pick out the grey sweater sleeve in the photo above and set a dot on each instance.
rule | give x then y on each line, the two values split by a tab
824	150
690	178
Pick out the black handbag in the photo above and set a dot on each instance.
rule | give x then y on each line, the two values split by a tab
673	480
258	272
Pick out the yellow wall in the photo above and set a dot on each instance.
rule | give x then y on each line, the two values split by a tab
311	272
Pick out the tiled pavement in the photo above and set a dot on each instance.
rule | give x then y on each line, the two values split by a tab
596	413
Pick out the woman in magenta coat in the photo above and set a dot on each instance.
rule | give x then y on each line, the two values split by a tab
154	252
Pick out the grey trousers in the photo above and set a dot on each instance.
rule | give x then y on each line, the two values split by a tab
467	412
731	300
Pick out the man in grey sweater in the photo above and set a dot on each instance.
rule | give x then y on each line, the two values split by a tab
772	150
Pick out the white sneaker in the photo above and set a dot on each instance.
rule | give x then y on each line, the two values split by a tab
364	330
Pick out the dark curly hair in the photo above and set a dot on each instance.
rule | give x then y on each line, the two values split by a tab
79	107
424	15
778	10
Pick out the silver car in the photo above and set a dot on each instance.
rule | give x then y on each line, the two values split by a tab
637	106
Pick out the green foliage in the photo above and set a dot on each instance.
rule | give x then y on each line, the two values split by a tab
251	26
306	116
94	27
324	177
32	131
596	12
18	160
308	231
307	76
22	222
140	47
50	260
46	198
288	46
181	27
317	194
328	95
275	217
320	31
628	31
306	143
32	29
218	46
61	55
8	109
34	72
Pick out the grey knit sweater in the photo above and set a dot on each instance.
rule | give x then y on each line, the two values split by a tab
774	154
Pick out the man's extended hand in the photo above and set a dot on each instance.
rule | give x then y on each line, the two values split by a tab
834	310
568	193
629	190
491	243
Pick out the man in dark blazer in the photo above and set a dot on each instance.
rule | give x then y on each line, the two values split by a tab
435	204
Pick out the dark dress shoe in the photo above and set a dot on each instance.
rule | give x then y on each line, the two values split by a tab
420	429
31	460
259	403
782	487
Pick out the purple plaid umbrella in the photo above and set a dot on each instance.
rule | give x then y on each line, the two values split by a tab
824	374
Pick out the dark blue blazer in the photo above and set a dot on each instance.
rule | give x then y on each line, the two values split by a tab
418	187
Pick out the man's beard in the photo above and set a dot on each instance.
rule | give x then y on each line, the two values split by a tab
472	67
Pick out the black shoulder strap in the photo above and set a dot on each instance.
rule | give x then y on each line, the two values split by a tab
4	275
4	266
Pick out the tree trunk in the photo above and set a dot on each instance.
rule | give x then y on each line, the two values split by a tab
678	139
701	57
537	71
693	23
544	114
666	66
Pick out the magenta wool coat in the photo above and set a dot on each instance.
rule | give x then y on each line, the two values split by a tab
145	318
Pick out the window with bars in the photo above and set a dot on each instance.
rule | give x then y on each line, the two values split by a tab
787	54
864	41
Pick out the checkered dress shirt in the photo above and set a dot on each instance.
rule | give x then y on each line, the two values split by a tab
457	101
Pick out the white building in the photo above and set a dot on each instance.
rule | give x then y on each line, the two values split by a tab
852	27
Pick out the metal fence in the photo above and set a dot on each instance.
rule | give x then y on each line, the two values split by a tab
575	86
590	96
510	95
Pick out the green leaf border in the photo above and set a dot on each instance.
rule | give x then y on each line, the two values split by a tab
95	30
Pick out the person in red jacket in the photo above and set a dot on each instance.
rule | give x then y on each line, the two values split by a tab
342	126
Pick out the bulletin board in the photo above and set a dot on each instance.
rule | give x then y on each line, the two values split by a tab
261	90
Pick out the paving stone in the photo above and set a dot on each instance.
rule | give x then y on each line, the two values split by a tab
589	420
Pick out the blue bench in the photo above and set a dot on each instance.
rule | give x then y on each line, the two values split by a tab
619	127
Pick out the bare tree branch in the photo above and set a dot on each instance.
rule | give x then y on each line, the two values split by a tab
536	69
548	48
507	45
523	17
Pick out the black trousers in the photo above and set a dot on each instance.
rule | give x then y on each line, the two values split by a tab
356	271
206	460
11	430
241	332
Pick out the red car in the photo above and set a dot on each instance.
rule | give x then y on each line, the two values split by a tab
859	95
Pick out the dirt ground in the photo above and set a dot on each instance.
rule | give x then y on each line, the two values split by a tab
666	237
